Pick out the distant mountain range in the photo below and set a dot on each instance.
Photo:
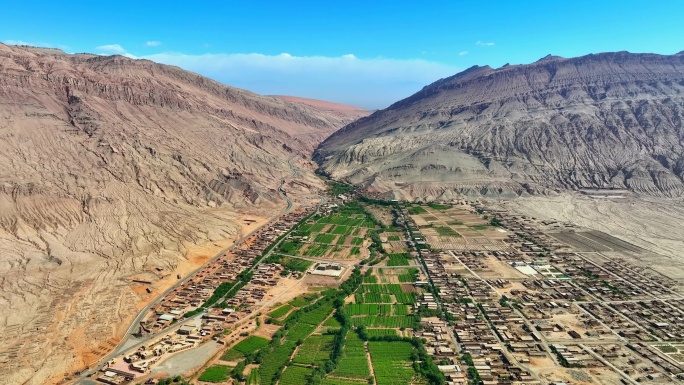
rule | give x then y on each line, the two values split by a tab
610	120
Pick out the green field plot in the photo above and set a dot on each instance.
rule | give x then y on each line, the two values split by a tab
299	332
253	378
290	263
401	259
295	375
325	238
394	238
406	298
381	332
373	298
281	311
216	373
317	316
391	288
447	231
354	362
289	247
332	322
343	381
413	210
392	362
368	309
367	291
439	207
318	227
232	355
315	350
316	250
304	299
244	347
400	310
343	230
411	275
355	250
368	224
380	288
274	360
370	279
251	344
406	321
357	241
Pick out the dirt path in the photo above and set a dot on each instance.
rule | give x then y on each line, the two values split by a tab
370	362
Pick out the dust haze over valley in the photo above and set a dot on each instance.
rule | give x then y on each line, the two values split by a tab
118	171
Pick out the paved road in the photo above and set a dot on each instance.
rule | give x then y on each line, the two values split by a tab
125	344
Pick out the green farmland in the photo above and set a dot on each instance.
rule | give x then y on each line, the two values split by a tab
392	362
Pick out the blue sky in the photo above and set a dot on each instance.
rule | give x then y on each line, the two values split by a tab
367	53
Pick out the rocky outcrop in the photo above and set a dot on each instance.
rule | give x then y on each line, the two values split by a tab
605	120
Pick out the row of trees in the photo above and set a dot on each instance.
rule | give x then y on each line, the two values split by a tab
346	289
337	298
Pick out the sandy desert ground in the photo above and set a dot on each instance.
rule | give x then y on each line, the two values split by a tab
59	319
655	224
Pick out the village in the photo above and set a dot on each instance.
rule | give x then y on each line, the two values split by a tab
186	316
537	302
501	299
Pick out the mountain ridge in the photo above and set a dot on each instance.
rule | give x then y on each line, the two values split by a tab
554	124
115	168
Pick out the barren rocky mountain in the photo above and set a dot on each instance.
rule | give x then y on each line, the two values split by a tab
344	112
611	120
113	169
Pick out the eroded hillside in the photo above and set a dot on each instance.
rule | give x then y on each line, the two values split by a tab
606	120
114	169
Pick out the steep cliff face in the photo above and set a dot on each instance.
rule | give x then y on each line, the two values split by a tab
605	120
112	167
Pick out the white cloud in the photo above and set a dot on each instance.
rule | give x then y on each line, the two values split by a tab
153	43
462	53
372	83
111	49
484	44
